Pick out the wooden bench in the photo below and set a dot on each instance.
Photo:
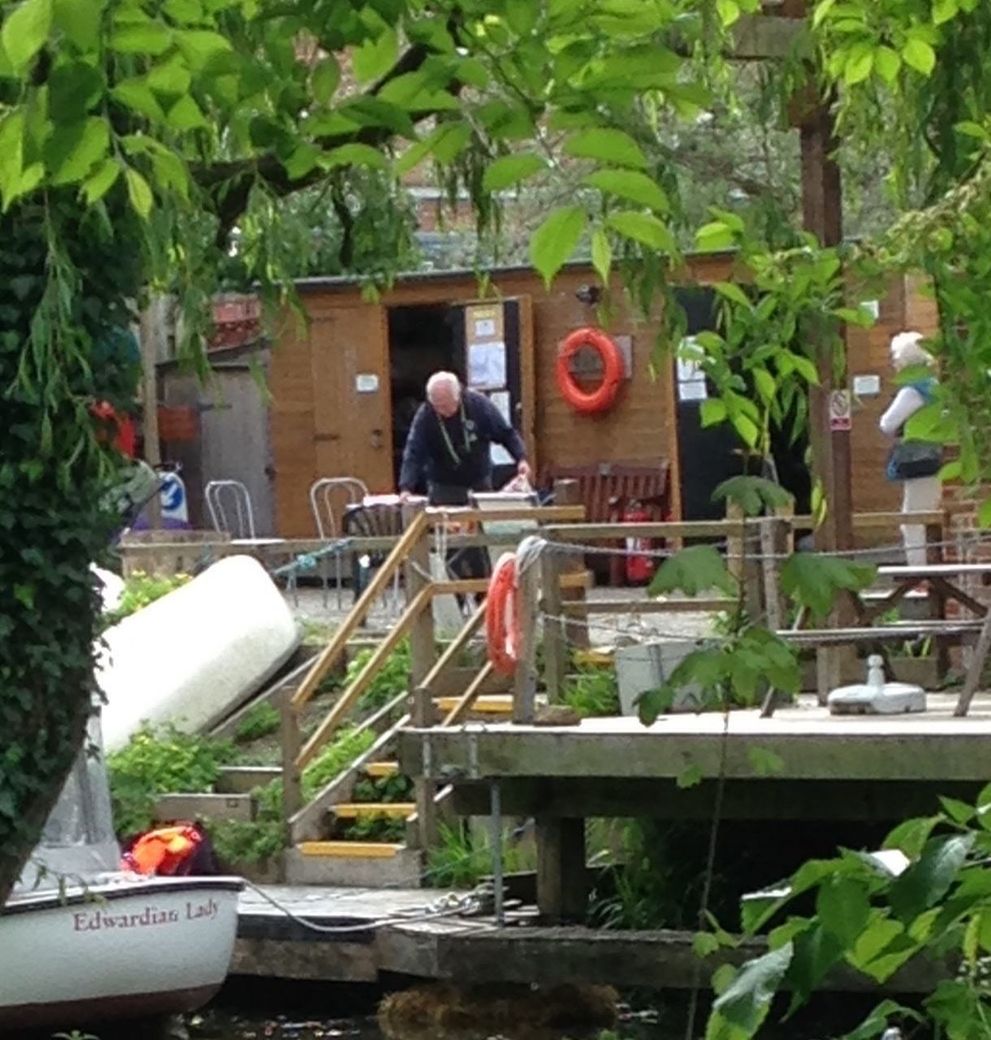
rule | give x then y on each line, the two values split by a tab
605	489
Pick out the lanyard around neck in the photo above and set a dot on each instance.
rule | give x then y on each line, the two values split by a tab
449	444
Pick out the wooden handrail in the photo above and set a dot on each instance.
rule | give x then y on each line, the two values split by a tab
338	643
543	514
468	698
363	679
455	647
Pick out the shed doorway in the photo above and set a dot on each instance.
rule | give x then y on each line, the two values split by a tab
482	344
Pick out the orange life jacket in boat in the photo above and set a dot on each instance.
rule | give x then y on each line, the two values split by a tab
164	851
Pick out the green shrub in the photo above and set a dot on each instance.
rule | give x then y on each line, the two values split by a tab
140	589
460	860
397	788
161	761
593	692
260	721
239	842
392	679
380	828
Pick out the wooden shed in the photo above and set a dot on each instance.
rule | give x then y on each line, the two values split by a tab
344	384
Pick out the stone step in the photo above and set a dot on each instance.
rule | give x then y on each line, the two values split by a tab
402	869
244	779
355	810
351	849
381	770
240	807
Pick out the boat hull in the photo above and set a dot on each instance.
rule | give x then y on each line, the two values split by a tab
126	949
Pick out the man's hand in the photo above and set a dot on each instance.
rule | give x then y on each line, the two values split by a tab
405	496
523	470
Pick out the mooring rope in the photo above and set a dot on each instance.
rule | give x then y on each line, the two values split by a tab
471	904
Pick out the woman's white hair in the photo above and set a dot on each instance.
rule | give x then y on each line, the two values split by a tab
443	381
907	350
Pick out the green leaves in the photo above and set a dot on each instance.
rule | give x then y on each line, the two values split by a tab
644	228
930	878
25	31
918	54
632	185
147	37
754	495
325	79
606	145
376	56
697	569
511	169
553	243
814	581
139	192
80	152
741	1008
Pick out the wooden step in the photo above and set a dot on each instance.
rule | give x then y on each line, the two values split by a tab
244	779
351	849
354	810
381	770
491	704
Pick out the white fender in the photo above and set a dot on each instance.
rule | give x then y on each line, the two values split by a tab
192	656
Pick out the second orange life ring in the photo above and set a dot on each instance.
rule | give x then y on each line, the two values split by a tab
603	397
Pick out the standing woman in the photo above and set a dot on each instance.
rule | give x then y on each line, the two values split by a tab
915	463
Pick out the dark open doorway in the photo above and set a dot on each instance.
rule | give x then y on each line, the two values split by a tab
710	455
422	341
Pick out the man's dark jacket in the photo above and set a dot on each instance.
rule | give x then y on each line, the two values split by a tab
463	457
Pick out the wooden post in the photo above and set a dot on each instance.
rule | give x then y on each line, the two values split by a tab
822	211
292	791
566	493
562	884
525	680
149	337
416	572
555	642
773	547
425	786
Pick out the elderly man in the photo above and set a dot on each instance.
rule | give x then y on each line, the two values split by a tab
449	443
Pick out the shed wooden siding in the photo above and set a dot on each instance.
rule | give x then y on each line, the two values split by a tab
321	428
903	308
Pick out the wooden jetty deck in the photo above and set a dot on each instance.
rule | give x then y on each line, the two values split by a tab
473	950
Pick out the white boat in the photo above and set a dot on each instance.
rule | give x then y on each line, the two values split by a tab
83	943
193	656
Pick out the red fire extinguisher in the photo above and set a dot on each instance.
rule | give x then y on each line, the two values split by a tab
640	565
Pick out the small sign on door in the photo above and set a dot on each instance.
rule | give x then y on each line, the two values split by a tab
366	382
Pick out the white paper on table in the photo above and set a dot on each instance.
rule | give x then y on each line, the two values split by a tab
487	366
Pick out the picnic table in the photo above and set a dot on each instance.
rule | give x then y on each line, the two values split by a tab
944	584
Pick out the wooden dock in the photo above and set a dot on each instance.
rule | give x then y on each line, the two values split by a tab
473	950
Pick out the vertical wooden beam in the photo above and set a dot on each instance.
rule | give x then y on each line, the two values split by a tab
822	214
566	493
416	574
291	739
424	716
562	884
555	642
525	680
773	545
149	336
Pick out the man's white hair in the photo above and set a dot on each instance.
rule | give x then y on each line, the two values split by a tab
443	381
907	350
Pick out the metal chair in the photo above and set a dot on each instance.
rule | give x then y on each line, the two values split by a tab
229	504
349	491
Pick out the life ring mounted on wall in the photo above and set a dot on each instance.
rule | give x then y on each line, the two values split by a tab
603	397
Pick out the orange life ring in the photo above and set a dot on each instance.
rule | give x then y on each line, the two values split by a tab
603	397
502	620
